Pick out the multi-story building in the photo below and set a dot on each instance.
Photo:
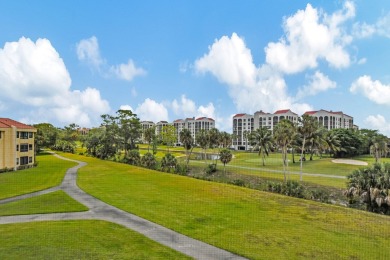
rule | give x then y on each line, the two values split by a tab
331	120
179	125
159	127
16	144
243	125
193	125
146	125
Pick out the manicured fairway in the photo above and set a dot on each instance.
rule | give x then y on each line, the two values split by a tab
84	239
53	202
255	224
49	173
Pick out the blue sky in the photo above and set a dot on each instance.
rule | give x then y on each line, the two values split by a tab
71	61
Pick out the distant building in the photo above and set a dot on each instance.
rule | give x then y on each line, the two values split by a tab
159	127
83	131
16	144
243	125
146	125
193	125
268	120
331	120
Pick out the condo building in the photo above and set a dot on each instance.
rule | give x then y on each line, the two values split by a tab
17	146
244	124
331	120
192	124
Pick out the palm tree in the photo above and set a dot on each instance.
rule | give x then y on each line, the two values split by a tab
225	139
202	139
149	134
261	139
284	134
307	127
379	147
168	162
149	161
225	156
332	142
188	143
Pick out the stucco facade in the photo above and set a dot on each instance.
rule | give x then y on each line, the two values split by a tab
17	146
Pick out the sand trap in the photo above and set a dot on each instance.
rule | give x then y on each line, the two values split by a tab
349	161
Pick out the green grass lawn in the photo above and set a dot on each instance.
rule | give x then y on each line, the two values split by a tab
85	239
255	224
49	173
53	202
274	162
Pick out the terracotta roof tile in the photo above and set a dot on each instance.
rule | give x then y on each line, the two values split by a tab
7	123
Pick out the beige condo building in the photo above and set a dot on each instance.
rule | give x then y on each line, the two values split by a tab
16	144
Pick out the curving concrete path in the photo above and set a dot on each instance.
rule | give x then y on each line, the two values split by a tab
103	211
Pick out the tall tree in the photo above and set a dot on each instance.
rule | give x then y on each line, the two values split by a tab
261	140
129	128
379	147
332	142
149	134
188	142
225	156
225	139
307	126
168	135
46	136
284	134
202	139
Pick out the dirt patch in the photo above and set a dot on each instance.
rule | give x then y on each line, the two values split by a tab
350	161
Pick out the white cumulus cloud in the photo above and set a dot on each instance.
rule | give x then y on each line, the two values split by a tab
151	110
185	107
88	51
378	122
127	71
251	88
318	82
381	27
374	90
311	35
34	75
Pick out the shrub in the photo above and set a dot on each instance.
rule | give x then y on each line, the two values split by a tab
133	157
211	168
149	161
168	162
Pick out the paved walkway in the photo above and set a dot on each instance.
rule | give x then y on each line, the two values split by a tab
102	211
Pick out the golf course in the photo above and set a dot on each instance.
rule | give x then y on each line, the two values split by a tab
248	223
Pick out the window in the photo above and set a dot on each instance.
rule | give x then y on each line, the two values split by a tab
30	135
24	160
24	147
23	135
29	159
17	161
17	134
30	147
17	148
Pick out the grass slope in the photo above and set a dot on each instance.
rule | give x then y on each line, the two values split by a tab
255	224
53	202
85	239
49	173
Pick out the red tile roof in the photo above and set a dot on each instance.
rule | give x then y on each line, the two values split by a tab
310	112
201	118
284	111
239	115
7	123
